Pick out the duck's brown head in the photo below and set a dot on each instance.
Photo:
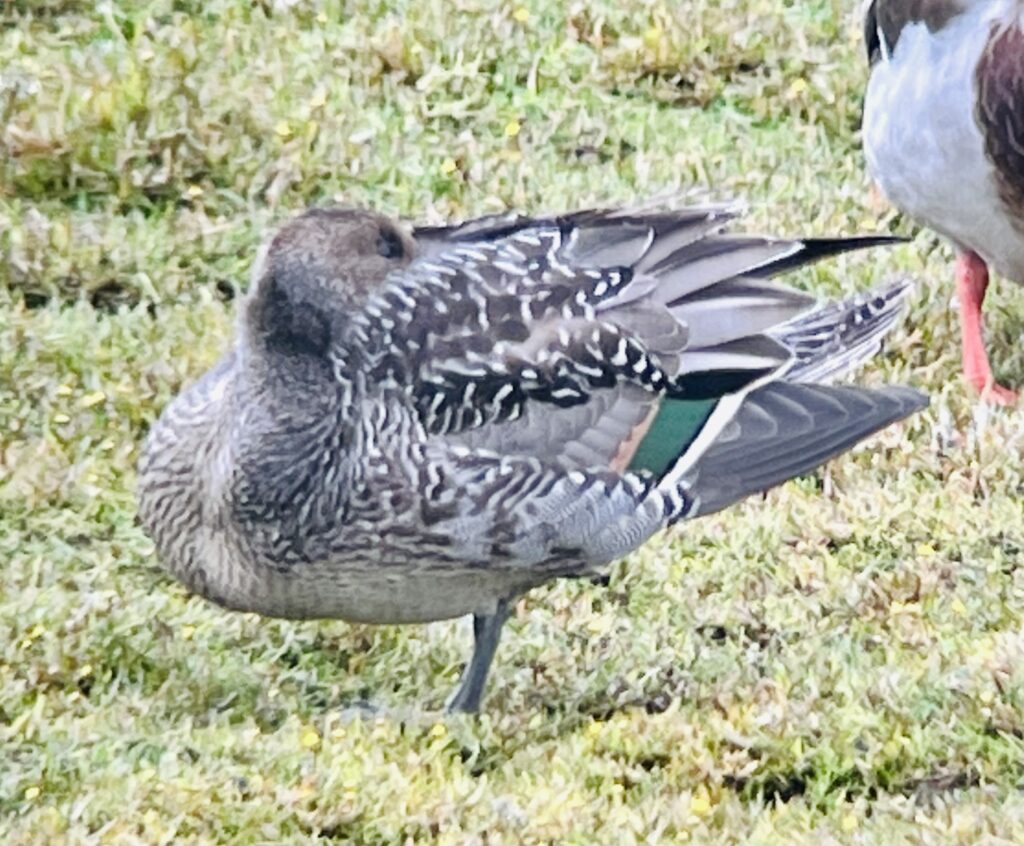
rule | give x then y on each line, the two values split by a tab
317	270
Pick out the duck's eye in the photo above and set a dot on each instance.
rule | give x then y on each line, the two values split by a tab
389	244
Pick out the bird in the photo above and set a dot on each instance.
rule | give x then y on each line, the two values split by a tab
422	423
943	135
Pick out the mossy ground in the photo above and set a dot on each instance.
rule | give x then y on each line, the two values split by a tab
839	661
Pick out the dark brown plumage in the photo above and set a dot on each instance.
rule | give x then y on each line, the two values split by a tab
1000	112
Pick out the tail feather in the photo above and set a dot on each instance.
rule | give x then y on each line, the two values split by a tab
836	337
816	249
736	309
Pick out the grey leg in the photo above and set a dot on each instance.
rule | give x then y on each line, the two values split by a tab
486	633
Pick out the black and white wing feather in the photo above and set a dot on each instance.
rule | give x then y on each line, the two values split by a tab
508	311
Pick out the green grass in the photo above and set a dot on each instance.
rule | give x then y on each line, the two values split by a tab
839	661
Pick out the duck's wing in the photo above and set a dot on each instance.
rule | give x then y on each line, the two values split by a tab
559	337
835	337
779	431
587	379
524	513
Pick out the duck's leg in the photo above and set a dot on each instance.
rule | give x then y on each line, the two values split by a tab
971	284
486	634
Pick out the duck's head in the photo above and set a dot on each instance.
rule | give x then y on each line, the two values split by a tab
314	273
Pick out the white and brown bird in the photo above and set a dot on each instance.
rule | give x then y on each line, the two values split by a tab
414	426
944	139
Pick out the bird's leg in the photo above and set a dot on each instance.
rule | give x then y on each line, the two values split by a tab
486	633
971	284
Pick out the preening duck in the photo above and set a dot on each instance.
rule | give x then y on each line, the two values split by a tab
419	424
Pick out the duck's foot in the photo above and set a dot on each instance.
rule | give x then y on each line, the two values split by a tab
486	633
995	394
971	285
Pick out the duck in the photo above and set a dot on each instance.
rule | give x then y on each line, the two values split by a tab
422	423
943	135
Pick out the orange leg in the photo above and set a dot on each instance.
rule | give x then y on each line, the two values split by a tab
971	284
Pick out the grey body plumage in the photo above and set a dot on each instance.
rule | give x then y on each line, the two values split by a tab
417	426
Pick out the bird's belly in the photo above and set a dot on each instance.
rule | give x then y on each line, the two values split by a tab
390	598
925	148
360	591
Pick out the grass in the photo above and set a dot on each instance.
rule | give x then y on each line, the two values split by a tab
838	662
